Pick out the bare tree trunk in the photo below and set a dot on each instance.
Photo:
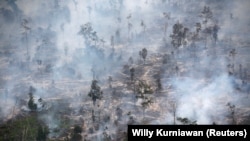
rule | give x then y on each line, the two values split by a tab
13	111
144	108
25	133
27	46
143	114
27	50
174	117
135	96
22	136
174	107
206	42
205	35
165	29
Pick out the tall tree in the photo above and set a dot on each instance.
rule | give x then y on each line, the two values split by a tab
89	11
140	55
131	60
198	27
158	83
42	133
26	28
90	36
95	92
172	105
166	59
93	70
206	15
142	89
92	41
76	135
132	74
215	32
110	81
129	25
112	42
178	35
144	54
240	72
232	54
129	29
119	113
31	104
143	25
231	108
145	104
167	17
194	37
117	35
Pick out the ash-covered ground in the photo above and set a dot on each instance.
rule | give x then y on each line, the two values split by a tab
102	64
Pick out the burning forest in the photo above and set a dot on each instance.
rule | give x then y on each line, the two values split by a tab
83	70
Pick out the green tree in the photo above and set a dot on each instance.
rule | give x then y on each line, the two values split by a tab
76	135
24	128
77	129
31	104
42	133
95	91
